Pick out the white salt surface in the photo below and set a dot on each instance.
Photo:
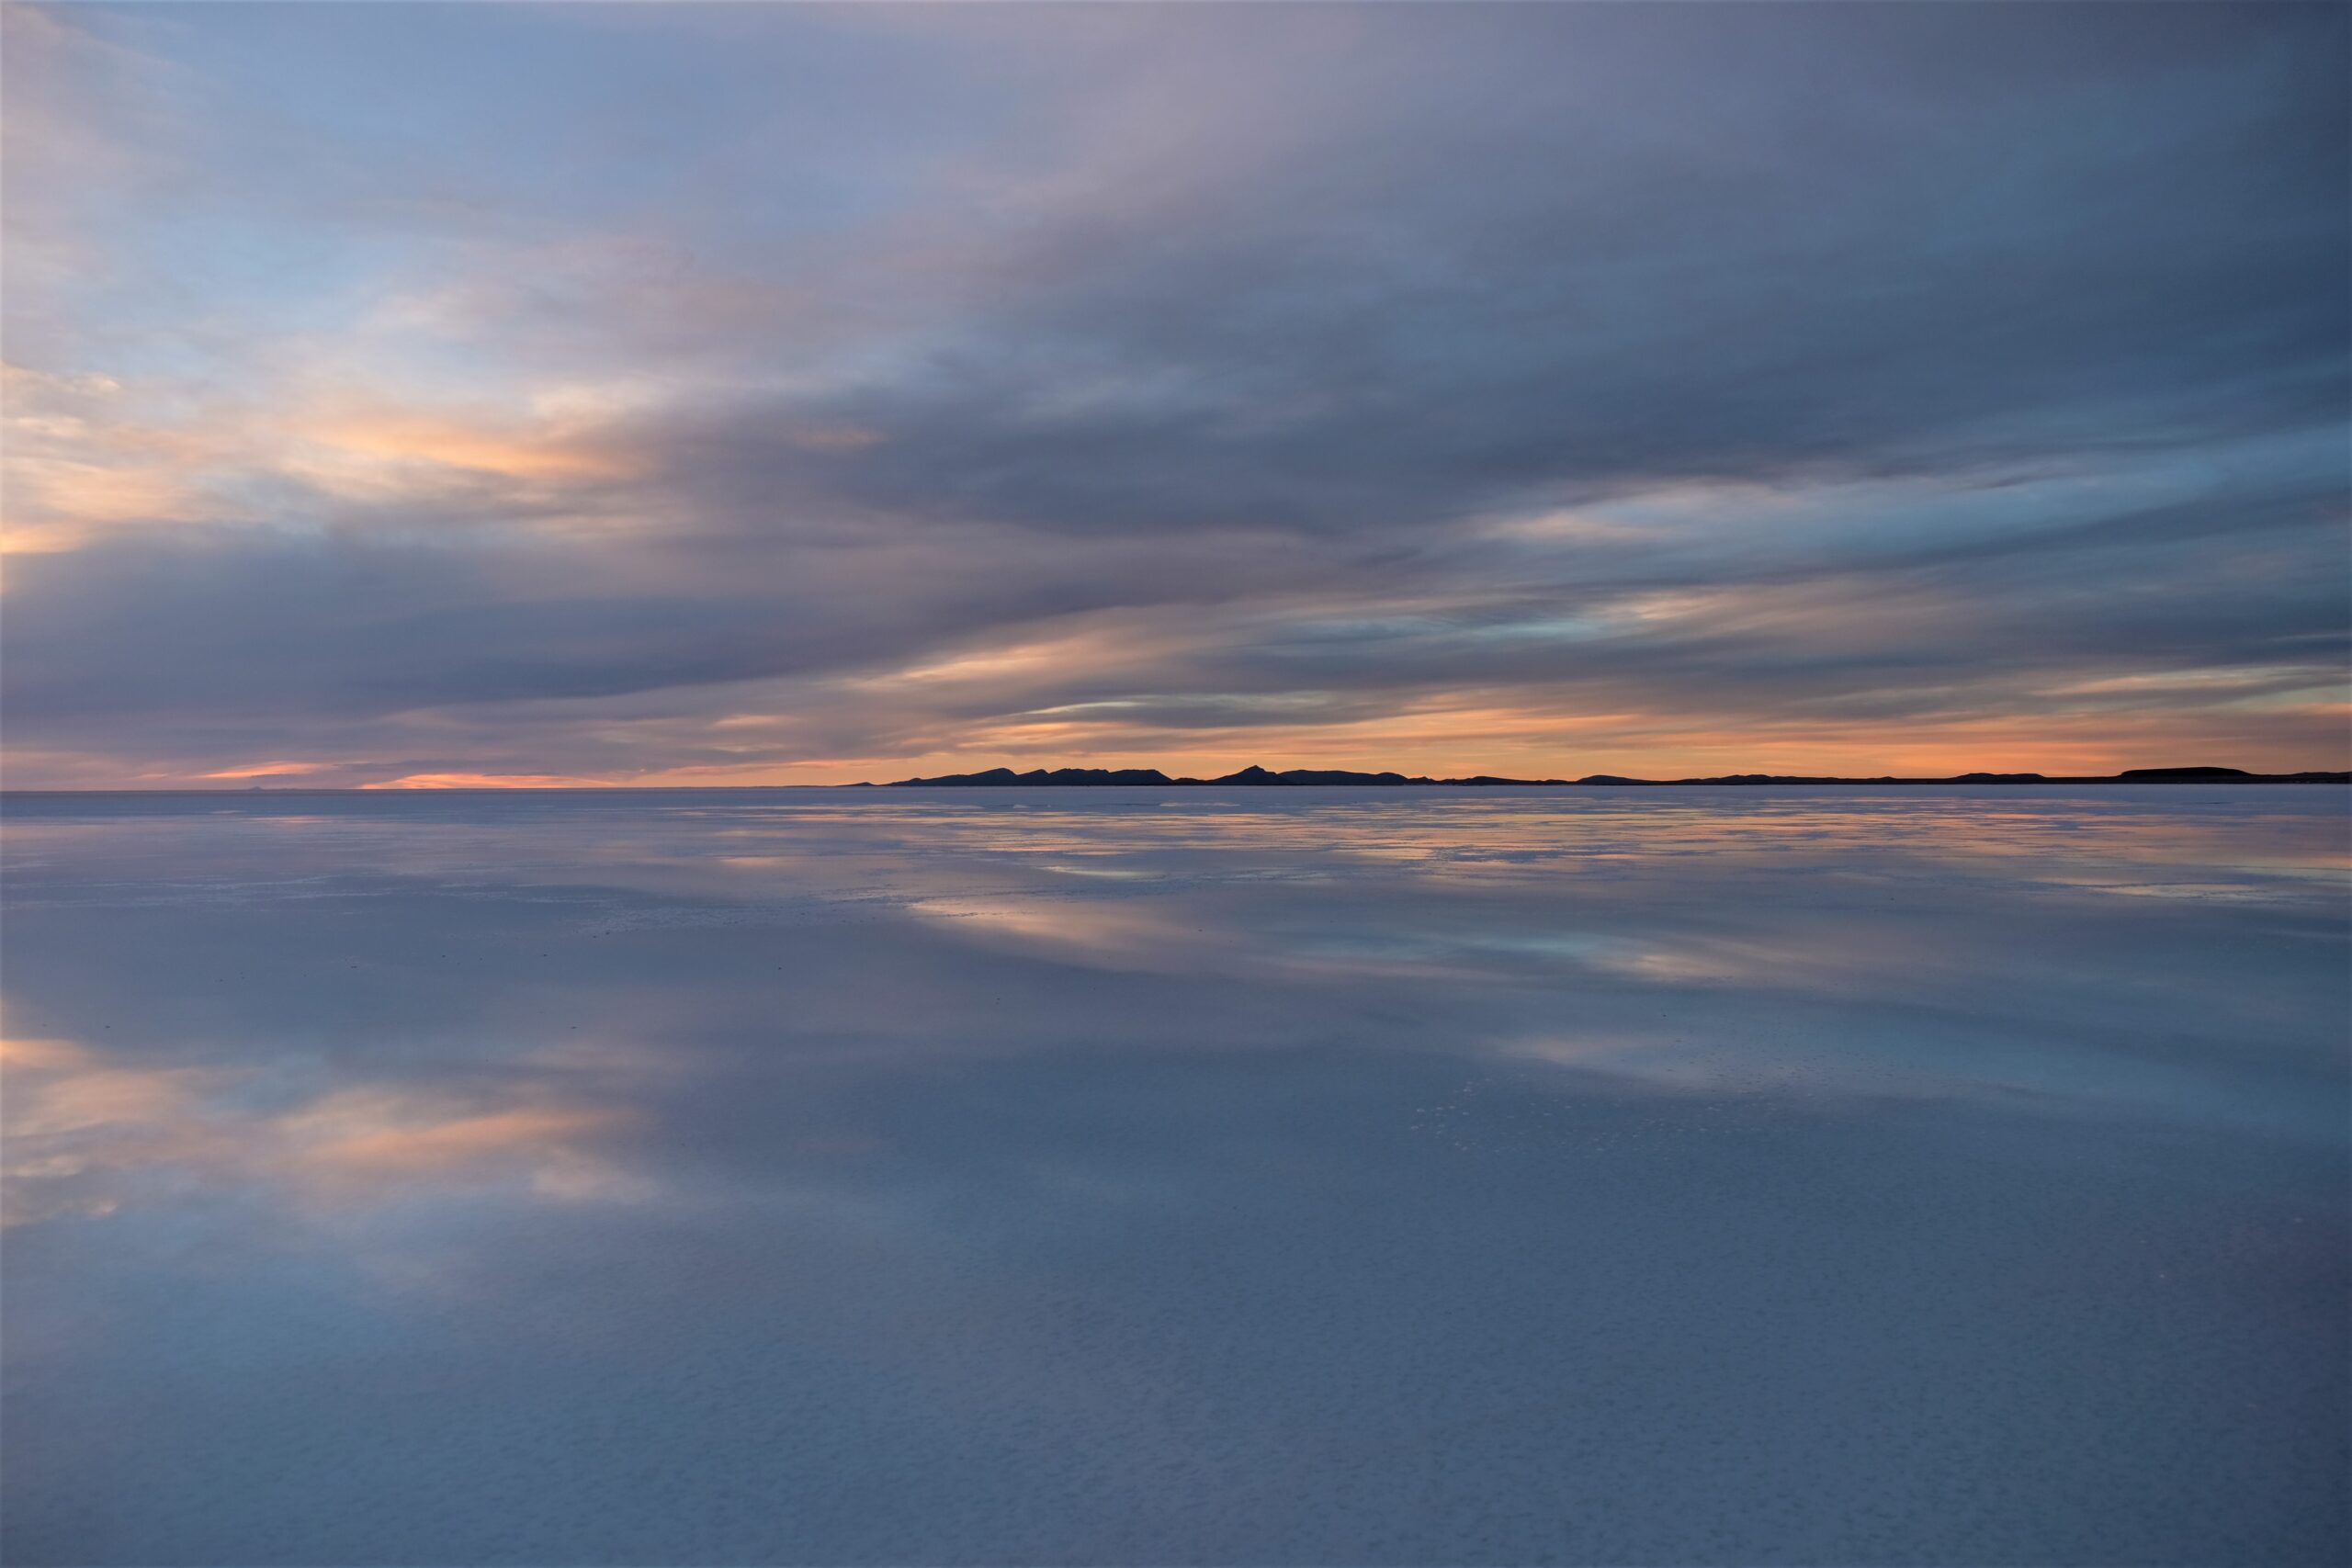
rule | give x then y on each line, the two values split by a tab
1274	1177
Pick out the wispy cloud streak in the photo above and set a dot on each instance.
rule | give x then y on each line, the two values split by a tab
802	394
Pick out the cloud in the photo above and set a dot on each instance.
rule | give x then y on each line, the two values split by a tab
1324	384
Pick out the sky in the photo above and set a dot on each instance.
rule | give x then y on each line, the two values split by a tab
765	394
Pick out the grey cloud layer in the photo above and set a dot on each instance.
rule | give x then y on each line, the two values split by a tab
1346	356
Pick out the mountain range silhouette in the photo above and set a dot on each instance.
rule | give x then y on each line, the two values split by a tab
1052	777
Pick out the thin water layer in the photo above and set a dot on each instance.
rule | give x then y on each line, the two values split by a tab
1123	1176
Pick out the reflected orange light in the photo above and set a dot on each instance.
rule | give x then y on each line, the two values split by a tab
81	1126
349	1138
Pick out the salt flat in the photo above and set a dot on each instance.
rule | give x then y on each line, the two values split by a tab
1126	1176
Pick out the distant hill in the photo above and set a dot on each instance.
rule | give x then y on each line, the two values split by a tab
1036	777
1254	776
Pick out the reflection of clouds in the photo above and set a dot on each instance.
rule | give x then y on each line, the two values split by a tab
1328	942
1460	832
88	1135
75	1126
1113	873
368	1136
962	1170
886	846
641	951
1658	1059
1090	929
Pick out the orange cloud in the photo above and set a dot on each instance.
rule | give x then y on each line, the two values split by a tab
267	769
489	781
404	438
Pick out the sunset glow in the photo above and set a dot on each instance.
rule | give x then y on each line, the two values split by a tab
1172	388
1126	782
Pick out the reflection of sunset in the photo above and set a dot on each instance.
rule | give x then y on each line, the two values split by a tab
535	1134
87	1136
368	1133
473	478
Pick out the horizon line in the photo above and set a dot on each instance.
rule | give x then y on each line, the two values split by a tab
1597	781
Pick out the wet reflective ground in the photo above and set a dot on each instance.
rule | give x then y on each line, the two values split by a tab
1663	1176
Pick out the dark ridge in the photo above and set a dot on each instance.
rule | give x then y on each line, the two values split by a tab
1006	777
1255	775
